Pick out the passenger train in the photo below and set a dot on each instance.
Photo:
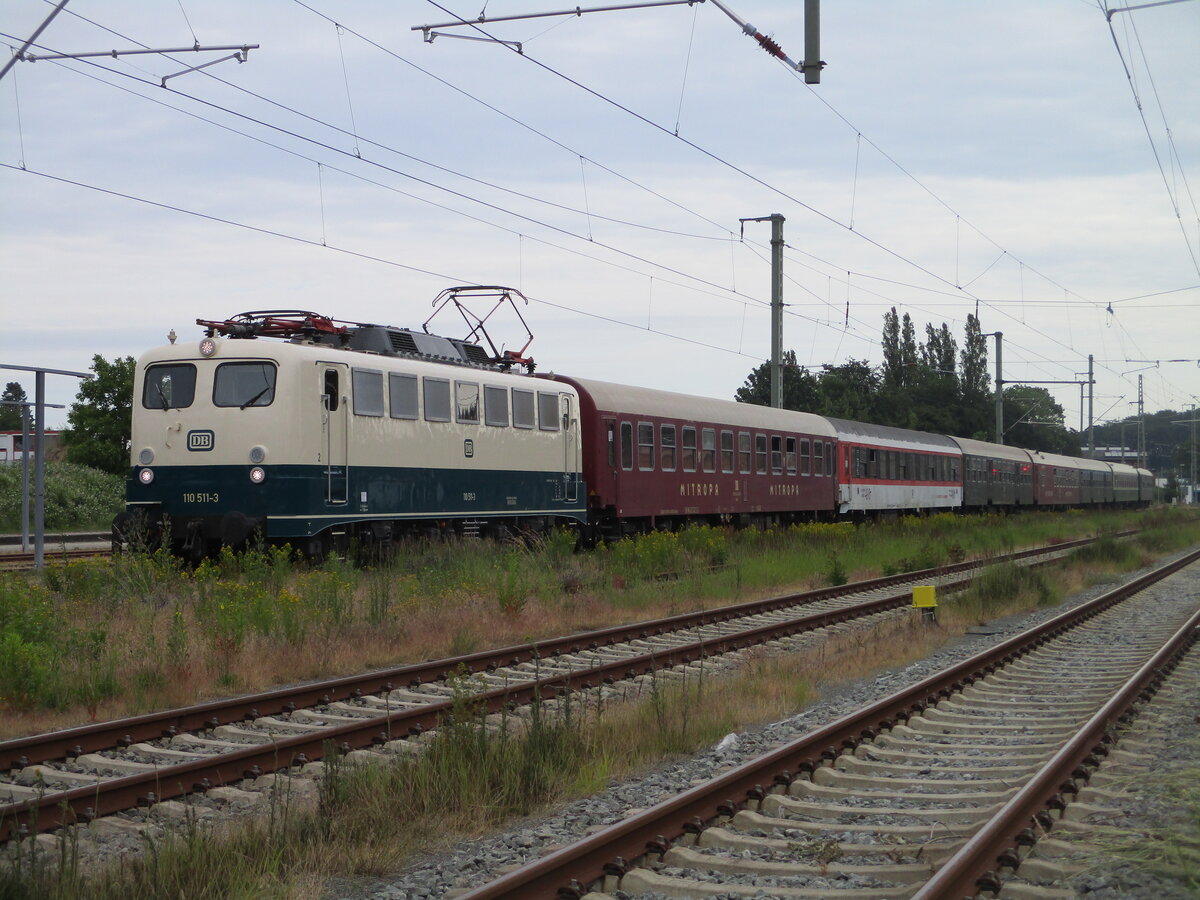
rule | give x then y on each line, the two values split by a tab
335	432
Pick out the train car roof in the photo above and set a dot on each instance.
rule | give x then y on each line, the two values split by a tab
1123	468
987	448
634	401
1069	462
889	436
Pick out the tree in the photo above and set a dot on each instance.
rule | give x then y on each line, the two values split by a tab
976	398
799	388
100	420
10	416
850	391
1033	420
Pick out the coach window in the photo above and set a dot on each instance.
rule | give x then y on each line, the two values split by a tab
547	411
627	446
688	462
828	461
495	405
726	451
169	387
760	454
806	457
668	448
402	396
708	452
437	399
522	408
776	455
744	452
789	446
244	384
466	402
646	446
368	392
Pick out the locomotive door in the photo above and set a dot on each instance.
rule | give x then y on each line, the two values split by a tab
570	470
335	435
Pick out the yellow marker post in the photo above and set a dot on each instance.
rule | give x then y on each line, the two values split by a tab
925	599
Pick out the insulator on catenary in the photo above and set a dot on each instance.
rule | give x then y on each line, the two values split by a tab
769	45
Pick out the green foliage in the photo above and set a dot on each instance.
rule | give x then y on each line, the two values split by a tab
10	416
77	497
101	418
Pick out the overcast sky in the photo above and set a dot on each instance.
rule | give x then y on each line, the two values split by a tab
956	156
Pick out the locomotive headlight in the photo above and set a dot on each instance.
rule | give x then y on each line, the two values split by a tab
258	475
146	476
208	347
258	454
145	456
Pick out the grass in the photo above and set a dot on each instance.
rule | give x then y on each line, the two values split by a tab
97	638
77	497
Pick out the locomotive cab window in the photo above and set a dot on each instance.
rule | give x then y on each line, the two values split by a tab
169	386
495	405
368	391
402	395
244	384
522	405
437	399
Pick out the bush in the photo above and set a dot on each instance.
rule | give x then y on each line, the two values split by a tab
77	497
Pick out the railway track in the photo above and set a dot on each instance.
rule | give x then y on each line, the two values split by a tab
21	561
938	791
77	775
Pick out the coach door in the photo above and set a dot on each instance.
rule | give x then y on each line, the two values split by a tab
570	428
335	435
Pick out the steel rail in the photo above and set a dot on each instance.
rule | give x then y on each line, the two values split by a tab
1018	823
567	873
38	748
58	808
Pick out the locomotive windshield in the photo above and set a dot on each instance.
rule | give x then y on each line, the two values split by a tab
169	386
243	384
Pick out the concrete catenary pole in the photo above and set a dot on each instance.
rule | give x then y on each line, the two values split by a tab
999	388
777	311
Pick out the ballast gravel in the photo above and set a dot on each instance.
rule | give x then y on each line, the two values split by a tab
472	863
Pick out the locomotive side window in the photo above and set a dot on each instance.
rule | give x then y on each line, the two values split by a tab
466	402
744	452
760	454
495	405
547	411
708	453
668	448
791	455
368	391
689	448
645	446
402	399
437	399
243	384
522	405
331	390
169	387
726	451
627	446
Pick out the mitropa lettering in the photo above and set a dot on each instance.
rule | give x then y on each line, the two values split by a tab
699	489
784	490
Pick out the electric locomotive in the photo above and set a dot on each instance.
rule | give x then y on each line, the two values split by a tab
343	432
